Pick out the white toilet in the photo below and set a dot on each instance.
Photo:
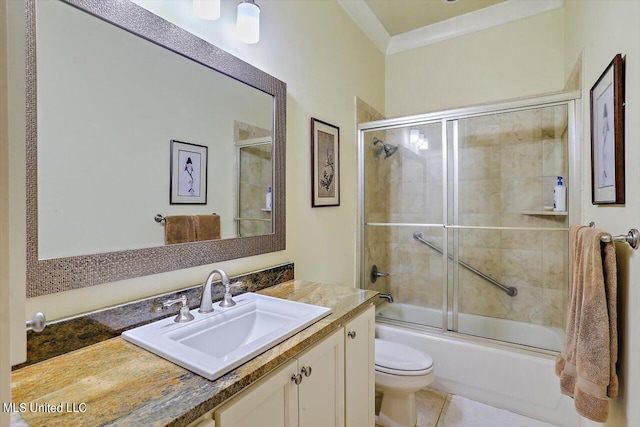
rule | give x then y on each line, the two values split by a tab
400	372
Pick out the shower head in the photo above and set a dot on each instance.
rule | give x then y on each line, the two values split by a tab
388	149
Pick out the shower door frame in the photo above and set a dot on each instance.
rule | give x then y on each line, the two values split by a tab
574	159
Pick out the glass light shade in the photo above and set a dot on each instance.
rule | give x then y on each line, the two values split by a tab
414	135
248	22
423	143
207	9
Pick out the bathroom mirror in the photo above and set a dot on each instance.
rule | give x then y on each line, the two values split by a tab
113	84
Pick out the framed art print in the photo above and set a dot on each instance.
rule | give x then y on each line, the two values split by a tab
607	135
188	174
325	164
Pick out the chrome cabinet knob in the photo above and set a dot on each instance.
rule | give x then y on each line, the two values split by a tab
351	334
296	378
306	370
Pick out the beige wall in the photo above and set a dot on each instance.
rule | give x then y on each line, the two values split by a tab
512	60
599	30
324	71
5	390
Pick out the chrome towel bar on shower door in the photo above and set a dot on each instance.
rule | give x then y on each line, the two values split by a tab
510	290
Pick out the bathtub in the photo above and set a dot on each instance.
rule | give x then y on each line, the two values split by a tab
538	336
512	378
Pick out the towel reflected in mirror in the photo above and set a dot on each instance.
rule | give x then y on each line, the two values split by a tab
191	228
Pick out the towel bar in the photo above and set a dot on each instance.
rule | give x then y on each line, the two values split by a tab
632	237
159	218
37	323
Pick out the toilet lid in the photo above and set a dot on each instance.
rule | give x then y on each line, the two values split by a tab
391	356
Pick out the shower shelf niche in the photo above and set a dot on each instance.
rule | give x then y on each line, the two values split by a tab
544	213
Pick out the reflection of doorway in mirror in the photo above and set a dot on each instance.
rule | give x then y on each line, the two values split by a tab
254	178
604	138
189	178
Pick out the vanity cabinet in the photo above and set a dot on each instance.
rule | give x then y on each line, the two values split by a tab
307	391
321	390
360	370
271	403
330	384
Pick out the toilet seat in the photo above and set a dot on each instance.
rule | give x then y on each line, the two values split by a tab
399	359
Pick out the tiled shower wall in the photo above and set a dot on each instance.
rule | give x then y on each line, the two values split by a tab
507	168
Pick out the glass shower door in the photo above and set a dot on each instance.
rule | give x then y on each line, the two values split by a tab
507	277
403	194
458	227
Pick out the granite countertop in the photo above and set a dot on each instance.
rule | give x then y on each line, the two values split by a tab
117	383
66	335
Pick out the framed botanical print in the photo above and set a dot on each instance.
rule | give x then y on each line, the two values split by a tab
325	164
188	174
607	135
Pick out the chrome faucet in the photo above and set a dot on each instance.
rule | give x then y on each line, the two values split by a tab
206	302
388	297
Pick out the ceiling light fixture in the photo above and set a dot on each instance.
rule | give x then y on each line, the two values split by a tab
248	22
207	9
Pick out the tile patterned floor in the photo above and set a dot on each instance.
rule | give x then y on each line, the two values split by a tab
439	409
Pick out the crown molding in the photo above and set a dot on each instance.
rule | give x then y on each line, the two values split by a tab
492	16
363	16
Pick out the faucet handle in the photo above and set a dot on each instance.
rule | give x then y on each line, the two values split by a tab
184	315
227	300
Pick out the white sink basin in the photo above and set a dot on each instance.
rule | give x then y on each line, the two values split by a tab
215	343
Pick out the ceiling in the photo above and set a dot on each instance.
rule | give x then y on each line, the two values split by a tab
400	16
400	25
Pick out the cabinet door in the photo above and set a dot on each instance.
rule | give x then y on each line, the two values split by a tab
273	402
321	392
359	370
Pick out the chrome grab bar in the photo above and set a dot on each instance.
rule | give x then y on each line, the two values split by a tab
510	290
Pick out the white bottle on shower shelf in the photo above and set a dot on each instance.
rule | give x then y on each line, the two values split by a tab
559	196
268	198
